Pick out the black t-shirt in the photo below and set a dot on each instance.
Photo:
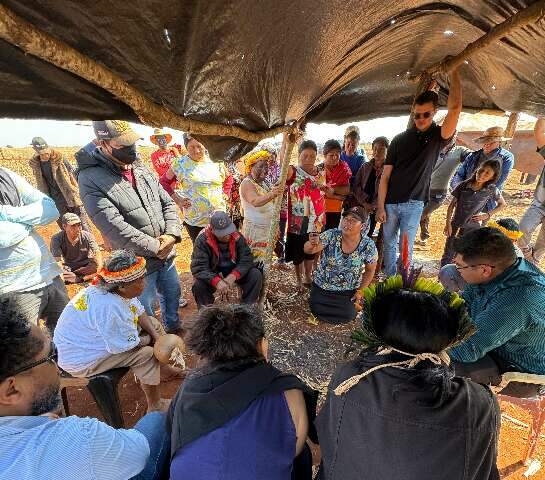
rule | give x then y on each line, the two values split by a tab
413	155
75	256
54	190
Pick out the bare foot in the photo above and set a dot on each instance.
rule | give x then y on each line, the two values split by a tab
161	406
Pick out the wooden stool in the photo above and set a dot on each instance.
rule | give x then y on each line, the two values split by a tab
523	392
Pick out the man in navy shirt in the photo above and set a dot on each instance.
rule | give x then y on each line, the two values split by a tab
405	183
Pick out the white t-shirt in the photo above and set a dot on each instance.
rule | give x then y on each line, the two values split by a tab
94	325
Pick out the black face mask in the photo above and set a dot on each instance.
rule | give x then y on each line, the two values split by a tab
126	155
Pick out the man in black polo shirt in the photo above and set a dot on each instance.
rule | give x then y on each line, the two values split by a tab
405	182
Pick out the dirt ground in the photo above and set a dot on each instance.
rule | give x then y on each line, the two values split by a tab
297	345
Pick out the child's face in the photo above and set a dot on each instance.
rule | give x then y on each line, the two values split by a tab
484	174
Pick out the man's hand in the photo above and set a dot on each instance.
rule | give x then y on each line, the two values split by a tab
69	276
166	243
230	280
222	286
380	215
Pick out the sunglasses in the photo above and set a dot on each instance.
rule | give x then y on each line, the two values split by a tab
418	116
52	357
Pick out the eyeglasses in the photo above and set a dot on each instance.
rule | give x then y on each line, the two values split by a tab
459	267
52	357
418	116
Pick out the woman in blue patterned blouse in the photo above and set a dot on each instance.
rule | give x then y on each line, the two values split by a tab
347	263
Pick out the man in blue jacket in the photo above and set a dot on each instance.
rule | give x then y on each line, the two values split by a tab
491	141
505	296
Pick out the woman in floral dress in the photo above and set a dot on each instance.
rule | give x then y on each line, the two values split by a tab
306	210
199	191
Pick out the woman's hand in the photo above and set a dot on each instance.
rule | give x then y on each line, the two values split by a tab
314	239
185	202
369	207
481	217
275	191
329	191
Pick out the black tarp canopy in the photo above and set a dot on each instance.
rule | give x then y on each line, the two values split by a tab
259	64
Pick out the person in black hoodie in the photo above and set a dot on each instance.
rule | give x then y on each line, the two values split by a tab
397	411
221	260
236	417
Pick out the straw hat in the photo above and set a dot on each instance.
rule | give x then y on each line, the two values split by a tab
492	134
158	132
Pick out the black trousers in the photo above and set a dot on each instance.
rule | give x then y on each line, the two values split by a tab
193	231
372	225
250	284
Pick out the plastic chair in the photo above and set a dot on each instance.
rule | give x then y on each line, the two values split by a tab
103	388
522	390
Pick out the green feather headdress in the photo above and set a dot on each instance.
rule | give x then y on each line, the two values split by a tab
409	280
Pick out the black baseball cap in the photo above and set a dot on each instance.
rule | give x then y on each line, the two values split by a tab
38	143
117	130
357	212
222	224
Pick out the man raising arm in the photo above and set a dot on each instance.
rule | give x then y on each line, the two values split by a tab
405	182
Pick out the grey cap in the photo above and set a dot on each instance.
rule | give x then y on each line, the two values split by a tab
117	130
222	224
39	143
70	219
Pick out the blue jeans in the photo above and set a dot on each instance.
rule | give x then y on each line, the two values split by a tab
152	426
450	278
164	281
400	217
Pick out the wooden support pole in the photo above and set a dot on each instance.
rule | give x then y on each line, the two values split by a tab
530	14
287	150
512	124
31	40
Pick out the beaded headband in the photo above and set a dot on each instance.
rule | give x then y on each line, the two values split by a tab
513	235
254	158
126	275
